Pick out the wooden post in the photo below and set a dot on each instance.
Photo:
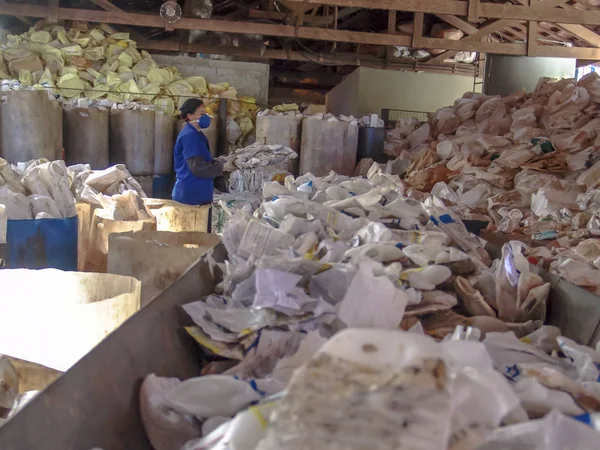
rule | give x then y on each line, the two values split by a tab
531	38
417	36
389	51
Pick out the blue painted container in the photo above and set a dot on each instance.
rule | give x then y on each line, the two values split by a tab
42	244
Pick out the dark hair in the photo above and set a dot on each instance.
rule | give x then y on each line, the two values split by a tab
189	107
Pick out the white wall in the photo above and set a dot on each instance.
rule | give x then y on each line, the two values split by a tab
412	91
251	79
368	91
344	98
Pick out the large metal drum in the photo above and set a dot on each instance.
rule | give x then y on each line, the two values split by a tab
279	130
163	144
328	146
85	133
31	126
132	140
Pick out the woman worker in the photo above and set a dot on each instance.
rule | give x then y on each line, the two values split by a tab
195	168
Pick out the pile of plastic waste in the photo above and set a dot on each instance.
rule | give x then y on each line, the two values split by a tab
396	139
102	63
285	109
527	163
332	118
226	205
321	255
251	167
37	189
113	189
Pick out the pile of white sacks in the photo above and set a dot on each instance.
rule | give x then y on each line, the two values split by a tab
350	316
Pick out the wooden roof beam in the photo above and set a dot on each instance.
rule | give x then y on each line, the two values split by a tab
275	15
541	11
224	26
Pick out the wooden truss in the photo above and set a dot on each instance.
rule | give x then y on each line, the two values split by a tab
524	22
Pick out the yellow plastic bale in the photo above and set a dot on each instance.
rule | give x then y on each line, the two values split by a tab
97	35
152	90
72	50
54	64
47	79
16	53
25	77
161	76
218	88
84	75
49	50
69	70
70	85
130	90
136	57
286	107
112	78
97	92
94	53
142	68
73	33
62	37
114	50
120	36
199	84
182	90
165	105
42	37
93	72
125	76
125	60
83	41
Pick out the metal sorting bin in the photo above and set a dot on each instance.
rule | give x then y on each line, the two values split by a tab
371	144
41	244
96	402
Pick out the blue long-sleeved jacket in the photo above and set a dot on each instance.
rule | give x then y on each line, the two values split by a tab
190	189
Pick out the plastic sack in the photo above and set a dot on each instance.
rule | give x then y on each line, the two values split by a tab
166	429
17	206
41	204
424	396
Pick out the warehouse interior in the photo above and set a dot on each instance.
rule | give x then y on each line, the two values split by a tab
299	224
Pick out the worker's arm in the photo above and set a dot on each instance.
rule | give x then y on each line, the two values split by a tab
199	160
204	169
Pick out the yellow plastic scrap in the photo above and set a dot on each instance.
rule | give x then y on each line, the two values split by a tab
94	53
120	36
112	79
70	85
25	77
130	90
86	76
97	35
218	88
142	68
126	75
49	50
83	41
73	33
114	50
41	37
72	50
53	63
151	90
136	57
97	92
110	66
165	105
199	84
47	78
125	60
175	75
161	76
286	107
69	70
246	126
93	72
182	90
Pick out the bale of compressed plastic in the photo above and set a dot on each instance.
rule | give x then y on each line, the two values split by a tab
132	135
86	140
31	126
328	145
156	258
67	313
